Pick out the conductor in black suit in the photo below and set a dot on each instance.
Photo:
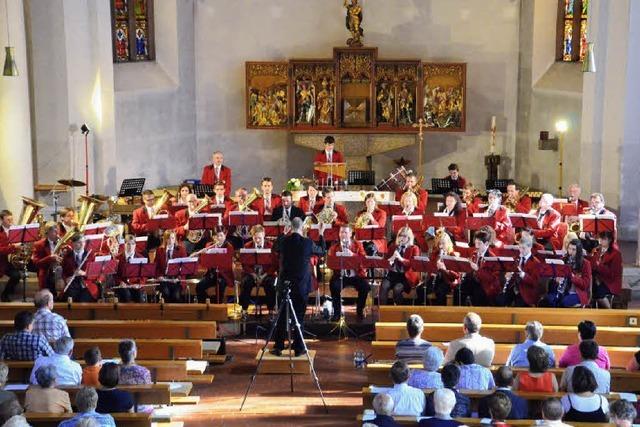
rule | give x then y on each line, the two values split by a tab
287	209
295	251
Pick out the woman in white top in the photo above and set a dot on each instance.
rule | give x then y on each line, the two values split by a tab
583	405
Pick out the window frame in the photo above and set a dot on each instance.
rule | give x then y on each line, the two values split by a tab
575	42
132	40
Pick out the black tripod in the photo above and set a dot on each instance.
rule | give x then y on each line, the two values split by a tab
286	306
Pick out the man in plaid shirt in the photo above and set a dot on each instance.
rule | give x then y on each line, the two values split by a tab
46	323
22	344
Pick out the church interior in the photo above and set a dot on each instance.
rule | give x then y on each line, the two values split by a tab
436	162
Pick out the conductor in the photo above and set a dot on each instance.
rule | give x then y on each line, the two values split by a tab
295	253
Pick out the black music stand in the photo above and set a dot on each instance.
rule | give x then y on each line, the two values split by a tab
497	184
361	178
459	265
178	267
202	190
340	262
131	187
101	267
218	259
441	185
257	258
24	234
423	265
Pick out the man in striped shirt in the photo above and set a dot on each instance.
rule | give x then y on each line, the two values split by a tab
412	349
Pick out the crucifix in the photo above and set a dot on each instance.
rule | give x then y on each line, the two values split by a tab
421	124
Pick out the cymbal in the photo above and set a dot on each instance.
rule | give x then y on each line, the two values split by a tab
71	182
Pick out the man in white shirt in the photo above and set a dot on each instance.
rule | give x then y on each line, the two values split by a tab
68	371
483	348
46	323
408	401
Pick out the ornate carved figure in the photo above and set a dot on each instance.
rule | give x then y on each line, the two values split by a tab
354	23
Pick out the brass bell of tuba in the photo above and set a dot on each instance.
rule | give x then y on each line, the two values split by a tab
87	207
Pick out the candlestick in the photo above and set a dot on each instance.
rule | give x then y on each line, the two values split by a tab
493	134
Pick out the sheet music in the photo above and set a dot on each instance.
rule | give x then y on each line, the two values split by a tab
440	214
182	260
139	261
561	200
32	226
102	258
242	213
554	261
421	258
406	218
462	245
255	251
161	216
93	237
216	251
499	258
97	225
454	258
481	215
522	215
141	239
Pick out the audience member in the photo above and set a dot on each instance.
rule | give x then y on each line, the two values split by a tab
499	408
537	378
93	363
588	352
583	405
23	344
504	382
130	373
429	377
86	402
9	409
634	362
16	421
472	375
571	355
88	422
407	400
518	356
450	377
622	413
45	322
443	401
483	348
552	413
383	407
69	372
413	348
110	399
44	397
4	374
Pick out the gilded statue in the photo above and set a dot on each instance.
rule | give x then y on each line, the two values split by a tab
325	104
354	23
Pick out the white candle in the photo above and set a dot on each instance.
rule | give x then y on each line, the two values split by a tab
493	122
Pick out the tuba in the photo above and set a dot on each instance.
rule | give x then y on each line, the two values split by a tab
87	207
161	201
195	236
243	206
29	212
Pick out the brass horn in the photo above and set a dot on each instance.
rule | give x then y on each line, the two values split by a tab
30	209
161	201
87	206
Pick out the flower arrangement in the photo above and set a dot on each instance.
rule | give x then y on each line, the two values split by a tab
294	184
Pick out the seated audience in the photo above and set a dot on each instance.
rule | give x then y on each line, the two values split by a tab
110	399
16	421
130	373
23	344
552	413
10	409
622	413
69	372
412	349
483	348
45	322
429	377
472	375
407	400
583	405
518	357
450	376
443	401
589	352
537	378
383	407
93	363
504	382
634	362
499	408
44	397
4	394
571	355
86	402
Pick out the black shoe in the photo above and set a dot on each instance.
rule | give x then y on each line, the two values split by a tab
276	351
300	352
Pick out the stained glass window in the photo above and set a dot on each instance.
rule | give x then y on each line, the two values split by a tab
132	30
572	30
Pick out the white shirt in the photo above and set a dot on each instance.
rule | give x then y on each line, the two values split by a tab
408	401
483	348
220	201
217	170
585	404
602	376
329	155
68	372
52	245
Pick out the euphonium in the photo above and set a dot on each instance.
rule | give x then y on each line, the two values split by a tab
28	214
87	206
161	201
194	236
243	206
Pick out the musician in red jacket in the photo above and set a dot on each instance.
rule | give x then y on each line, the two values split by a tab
219	202
68	221
607	269
411	185
572	291
482	285
45	260
504	231
171	289
442	281
355	278
516	202
189	237
522	288
328	155
141	217
372	215
74	264
216	171
456	180
471	199
400	277
574	198
308	203
548	221
129	291
268	202
339	212
453	207
6	249
258	276
219	278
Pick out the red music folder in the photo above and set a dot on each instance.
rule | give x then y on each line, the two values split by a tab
272	228
370	261
554	268
139	268
391	208
161	222
423	264
330	234
141	243
414	222
438	220
252	256
203	221
24	233
463	249
544	254
565	208
219	258
101	266
238	218
370	232
457	264
217	209
597	223
500	264
184	266
477	222
344	262
93	242
512	251
519	220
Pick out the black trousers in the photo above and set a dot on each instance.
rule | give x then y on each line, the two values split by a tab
77	292
131	295
361	285
471	290
10	287
394	281
211	279
510	298
171	291
268	284
438	286
300	307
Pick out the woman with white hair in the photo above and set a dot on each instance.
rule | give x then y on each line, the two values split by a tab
401	277
443	400
44	397
504	230
86	402
548	221
429	377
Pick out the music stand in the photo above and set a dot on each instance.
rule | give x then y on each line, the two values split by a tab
99	267
141	243
371	262
131	187
240	219
597	223
361	177
218	209
554	269
139	270
202	221
95	228
181	267
390	207
370	233
24	234
202	190
441	185
272	229
520	220
477	222
340	261
499	264
161	222
218	259
414	222
93	242
463	249
253	257
545	254
512	251
459	265
439	221
330	234
497	184
423	264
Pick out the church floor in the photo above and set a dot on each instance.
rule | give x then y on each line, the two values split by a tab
270	402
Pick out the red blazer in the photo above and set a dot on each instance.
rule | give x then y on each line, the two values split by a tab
258	205
549	228
226	273
122	262
182	217
69	267
529	285
422	196
608	269
489	280
140	220
272	269
5	250
504	230
380	218
321	157
581	205
304	204
355	247
524	205
227	203
474	206
209	177
459	232
451	278
43	260
161	257
342	218
581	281
412	276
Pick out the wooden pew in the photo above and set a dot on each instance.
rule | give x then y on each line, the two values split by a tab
510	315
137	419
621	380
386	350
606	335
475	422
125	311
147	348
